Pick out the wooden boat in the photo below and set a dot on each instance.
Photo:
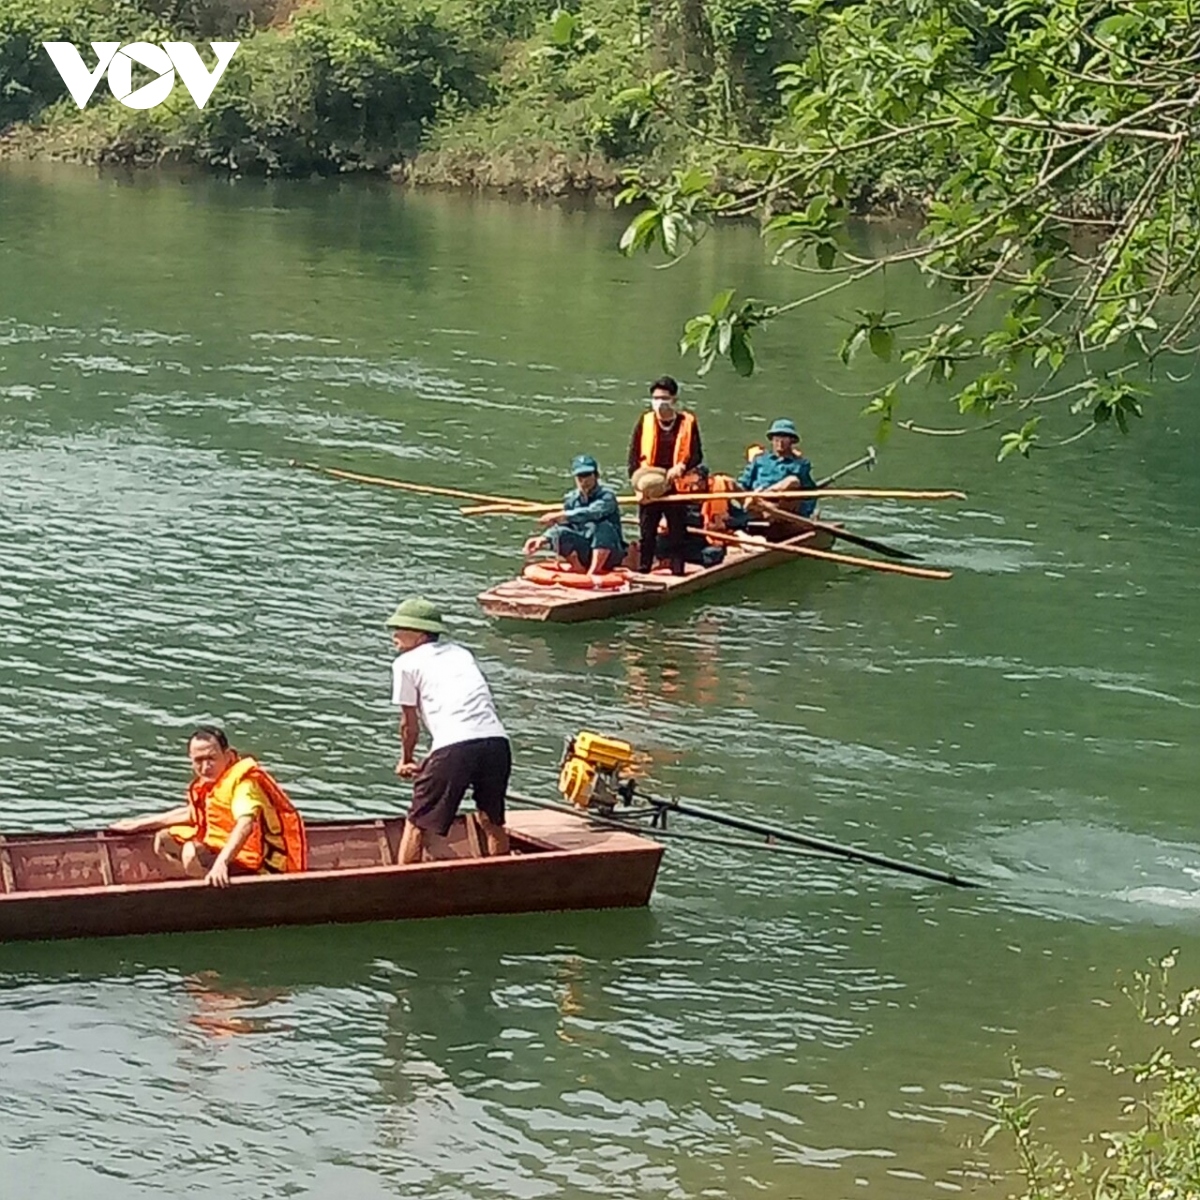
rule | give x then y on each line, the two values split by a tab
99	883
522	600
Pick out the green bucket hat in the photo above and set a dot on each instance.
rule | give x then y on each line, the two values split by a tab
783	428
584	464
417	613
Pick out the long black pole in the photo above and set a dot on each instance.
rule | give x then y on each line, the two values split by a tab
814	843
842	535
615	822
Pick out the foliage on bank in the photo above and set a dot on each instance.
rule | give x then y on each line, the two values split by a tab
491	92
342	85
1151	1151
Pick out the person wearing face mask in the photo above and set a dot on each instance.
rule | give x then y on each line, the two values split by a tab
664	457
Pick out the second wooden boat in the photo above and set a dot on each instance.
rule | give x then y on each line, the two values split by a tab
521	600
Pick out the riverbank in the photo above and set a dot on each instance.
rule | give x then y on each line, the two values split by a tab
496	96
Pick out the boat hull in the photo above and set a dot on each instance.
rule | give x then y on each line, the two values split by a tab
521	600
55	886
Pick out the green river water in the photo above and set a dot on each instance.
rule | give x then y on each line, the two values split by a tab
771	1025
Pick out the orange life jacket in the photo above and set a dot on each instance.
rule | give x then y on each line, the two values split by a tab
277	843
648	450
715	510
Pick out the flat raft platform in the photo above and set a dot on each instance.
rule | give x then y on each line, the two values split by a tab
521	600
99	883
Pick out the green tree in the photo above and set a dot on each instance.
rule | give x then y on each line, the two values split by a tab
1050	147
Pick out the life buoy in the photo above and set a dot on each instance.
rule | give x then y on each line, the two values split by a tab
548	576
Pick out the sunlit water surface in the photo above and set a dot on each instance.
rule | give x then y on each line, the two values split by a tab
772	1025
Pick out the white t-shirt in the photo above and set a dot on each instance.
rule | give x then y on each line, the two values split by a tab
444	683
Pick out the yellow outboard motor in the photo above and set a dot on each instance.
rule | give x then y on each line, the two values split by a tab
591	771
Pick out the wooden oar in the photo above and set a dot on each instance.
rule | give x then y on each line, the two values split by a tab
856	539
812	552
425	488
867	460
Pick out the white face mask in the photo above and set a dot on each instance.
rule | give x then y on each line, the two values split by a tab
662	408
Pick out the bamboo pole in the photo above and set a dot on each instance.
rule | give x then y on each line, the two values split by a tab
804	494
514	505
511	510
508	510
812	552
503	508
426	489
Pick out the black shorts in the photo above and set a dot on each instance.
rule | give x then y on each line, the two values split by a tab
483	765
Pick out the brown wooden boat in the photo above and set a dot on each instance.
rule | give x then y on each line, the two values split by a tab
99	883
521	600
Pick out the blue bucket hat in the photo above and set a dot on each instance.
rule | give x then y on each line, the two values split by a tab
584	464
783	428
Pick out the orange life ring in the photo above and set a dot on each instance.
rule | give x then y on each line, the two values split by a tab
548	576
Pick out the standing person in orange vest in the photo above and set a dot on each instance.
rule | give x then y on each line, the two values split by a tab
664	454
237	821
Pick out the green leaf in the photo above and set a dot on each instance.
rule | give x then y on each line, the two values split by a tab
852	344
672	227
720	303
563	26
1022	440
694	180
882	340
826	255
741	354
639	233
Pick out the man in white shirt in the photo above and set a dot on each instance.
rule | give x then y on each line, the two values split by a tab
439	684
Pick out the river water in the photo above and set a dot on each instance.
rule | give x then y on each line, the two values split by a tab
771	1025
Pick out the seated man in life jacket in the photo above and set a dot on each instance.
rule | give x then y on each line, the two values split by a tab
711	512
586	532
779	470
237	820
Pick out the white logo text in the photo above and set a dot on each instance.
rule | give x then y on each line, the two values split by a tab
118	61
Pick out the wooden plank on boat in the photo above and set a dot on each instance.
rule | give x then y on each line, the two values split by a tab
106	865
519	599
386	856
475	839
7	878
38	865
55	887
